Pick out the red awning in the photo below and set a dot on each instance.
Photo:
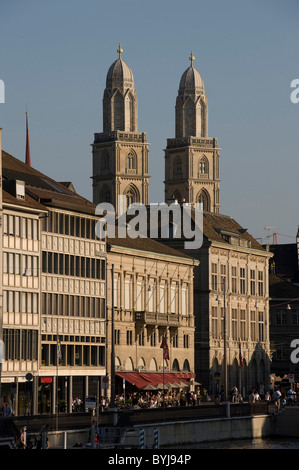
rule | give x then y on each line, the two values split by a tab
153	378
133	378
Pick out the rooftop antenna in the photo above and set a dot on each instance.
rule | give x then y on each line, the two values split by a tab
269	228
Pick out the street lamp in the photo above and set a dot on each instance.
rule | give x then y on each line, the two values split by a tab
224	340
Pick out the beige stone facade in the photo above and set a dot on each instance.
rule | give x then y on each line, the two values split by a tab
153	289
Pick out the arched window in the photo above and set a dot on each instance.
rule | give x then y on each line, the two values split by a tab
204	199
203	168
106	194
132	195
131	161
178	166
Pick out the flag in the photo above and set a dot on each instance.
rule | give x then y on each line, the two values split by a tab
59	353
28	158
240	354
165	348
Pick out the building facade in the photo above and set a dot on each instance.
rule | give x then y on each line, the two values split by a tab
54	286
153	298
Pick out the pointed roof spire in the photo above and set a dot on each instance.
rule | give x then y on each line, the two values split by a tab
191	58
119	50
28	157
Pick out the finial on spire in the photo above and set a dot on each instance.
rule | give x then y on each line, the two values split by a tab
119	50
191	58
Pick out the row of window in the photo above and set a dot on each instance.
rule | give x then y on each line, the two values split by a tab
238	328
73	225
152	297
73	305
20	302
238	284
14	263
141	340
73	355
70	265
21	345
22	227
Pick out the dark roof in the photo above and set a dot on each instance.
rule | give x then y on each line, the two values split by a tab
40	188
215	225
280	288
148	245
286	261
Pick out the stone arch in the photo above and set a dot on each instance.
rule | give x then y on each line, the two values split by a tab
141	362
177	167
153	365
131	162
129	365
175	365
203	166
204	198
132	194
186	366
118	111
106	194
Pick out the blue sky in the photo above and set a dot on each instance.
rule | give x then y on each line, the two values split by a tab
54	57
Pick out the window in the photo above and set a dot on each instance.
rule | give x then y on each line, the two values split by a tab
261	326
139	302
223	277
151	298
242	325
252	282
184	301
214	323
172	299
281	318
234	324
242	281
162	299
186	341
234	280
260	283
253	325
214	276
129	337
127	294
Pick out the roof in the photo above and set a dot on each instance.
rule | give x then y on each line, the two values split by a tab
191	82
286	261
215	226
280	288
148	245
119	75
40	190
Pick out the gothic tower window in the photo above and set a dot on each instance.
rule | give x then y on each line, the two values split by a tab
106	194
203	166
132	195
178	168
131	161
204	199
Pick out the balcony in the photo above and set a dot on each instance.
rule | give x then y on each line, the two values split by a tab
152	318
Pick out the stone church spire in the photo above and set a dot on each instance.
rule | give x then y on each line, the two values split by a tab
192	158
120	152
120	107
191	104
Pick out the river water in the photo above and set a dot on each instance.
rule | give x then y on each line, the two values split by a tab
266	443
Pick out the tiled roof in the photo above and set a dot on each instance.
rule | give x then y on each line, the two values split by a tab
214	224
280	288
148	245
42	189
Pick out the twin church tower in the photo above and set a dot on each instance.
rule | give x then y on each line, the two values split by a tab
120	152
